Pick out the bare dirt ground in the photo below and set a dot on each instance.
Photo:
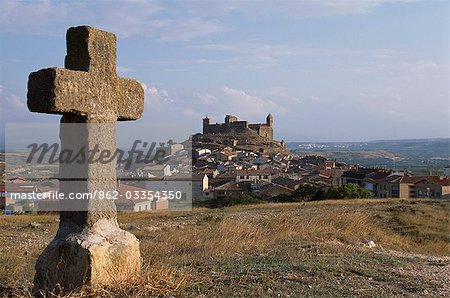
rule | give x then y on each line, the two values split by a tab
316	249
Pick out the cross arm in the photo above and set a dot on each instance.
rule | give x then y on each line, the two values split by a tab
128	101
58	91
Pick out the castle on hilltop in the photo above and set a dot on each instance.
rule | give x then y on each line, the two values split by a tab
263	129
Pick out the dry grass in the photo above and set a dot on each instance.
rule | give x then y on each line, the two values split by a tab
218	252
153	281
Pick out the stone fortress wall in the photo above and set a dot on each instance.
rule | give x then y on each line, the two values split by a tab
263	129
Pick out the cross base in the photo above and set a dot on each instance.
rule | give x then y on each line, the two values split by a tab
100	256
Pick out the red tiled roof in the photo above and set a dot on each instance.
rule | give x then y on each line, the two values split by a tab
232	186
253	172
180	177
412	180
329	172
20	188
439	180
380	175
360	173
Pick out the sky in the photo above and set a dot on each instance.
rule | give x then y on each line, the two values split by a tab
327	70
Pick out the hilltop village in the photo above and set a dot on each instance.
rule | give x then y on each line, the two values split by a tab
271	172
237	159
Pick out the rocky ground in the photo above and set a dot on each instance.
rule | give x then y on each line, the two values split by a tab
359	248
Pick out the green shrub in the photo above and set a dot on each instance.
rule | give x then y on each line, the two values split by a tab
348	191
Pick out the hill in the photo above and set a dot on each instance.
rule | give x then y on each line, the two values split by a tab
319	249
245	139
421	156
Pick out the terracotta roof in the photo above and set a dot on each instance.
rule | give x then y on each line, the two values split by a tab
358	174
253	172
391	178
412	180
439	180
329	172
232	186
20	187
287	182
270	186
180	177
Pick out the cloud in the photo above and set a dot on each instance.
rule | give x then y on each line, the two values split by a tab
187	29
154	97
163	21
191	113
16	102
226	100
282	94
261	55
207	99
264	49
125	18
284	9
251	105
175	69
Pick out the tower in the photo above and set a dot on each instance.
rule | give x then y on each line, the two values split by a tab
269	120
230	119
205	124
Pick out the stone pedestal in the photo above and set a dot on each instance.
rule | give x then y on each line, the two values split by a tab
101	255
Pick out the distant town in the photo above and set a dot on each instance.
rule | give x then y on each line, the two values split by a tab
235	161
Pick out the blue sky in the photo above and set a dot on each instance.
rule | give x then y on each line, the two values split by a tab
327	70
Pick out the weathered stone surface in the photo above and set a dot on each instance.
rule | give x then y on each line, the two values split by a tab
89	83
89	247
103	254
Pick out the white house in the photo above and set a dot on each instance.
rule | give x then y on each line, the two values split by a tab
447	171
254	175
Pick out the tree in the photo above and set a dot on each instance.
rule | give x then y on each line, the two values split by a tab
306	192
348	191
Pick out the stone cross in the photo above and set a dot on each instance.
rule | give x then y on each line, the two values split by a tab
89	247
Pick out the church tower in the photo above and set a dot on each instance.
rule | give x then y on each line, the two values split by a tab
269	120
205	124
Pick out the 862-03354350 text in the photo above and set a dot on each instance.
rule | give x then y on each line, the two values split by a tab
101	195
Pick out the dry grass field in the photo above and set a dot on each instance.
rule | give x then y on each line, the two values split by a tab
270	250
